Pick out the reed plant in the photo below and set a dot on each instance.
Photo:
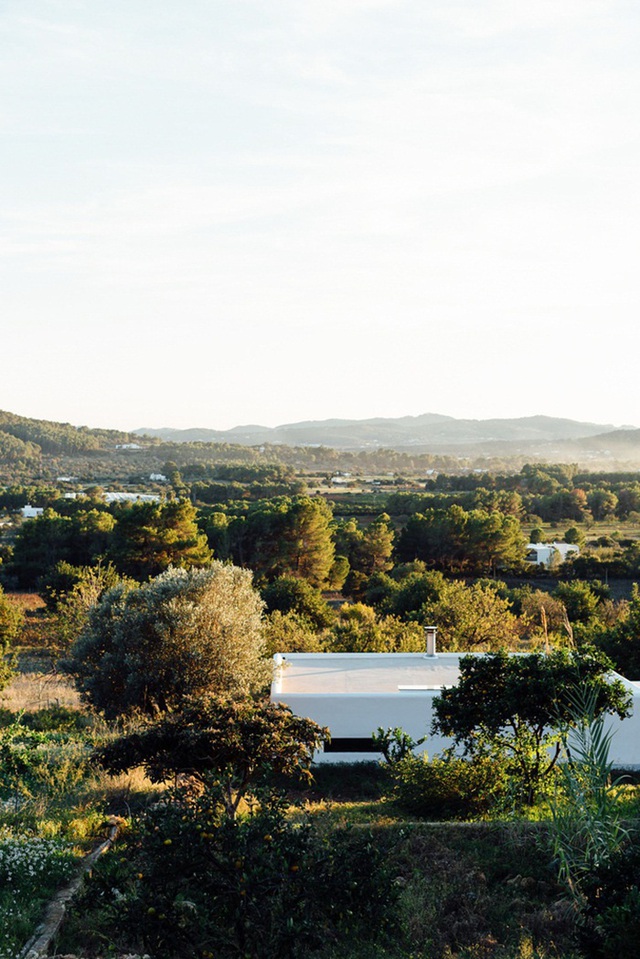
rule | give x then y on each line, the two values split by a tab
587	826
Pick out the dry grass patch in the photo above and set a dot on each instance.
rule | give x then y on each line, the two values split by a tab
33	690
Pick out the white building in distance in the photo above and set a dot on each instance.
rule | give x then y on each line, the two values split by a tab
132	497
544	554
31	512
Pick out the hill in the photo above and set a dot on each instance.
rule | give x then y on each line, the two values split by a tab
42	450
430	432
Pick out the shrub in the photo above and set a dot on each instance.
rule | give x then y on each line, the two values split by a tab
516	707
449	787
610	922
56	718
11	623
395	743
195	882
35	764
287	594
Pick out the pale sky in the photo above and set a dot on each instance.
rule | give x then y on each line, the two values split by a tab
219	212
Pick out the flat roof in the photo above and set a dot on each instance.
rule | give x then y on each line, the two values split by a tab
347	673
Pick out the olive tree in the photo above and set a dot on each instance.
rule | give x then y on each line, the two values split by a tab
185	633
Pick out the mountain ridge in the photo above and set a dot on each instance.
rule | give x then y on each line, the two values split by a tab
406	432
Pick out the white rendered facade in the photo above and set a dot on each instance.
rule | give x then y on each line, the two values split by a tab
355	693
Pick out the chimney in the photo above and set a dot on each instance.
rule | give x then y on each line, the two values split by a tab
430	637
278	664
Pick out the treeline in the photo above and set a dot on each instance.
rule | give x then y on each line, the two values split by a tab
208	484
296	535
551	493
394	578
285	535
140	539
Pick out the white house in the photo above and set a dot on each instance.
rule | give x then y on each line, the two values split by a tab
131	497
544	554
31	512
355	693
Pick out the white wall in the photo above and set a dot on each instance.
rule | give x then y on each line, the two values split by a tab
359	715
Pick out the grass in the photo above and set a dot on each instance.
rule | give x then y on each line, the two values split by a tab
34	689
38	683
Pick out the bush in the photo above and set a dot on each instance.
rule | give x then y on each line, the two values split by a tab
11	623
40	765
610	922
290	595
194	882
449	787
56	718
241	743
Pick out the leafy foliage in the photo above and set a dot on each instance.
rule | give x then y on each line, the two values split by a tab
36	763
461	540
289	594
195	883
360	630
587	828
610	919
364	551
184	633
286	537
151	537
395	743
243	742
292	633
621	641
448	787
11	623
85	586
52	538
517	706
472	617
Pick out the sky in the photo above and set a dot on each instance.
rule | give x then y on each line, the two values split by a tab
223	212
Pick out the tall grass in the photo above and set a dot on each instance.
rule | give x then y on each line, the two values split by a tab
587	824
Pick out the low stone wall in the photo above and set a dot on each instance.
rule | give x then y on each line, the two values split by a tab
38	945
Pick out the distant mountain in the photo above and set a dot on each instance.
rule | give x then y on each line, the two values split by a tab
40	448
430	432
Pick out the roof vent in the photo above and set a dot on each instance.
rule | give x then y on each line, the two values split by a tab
430	633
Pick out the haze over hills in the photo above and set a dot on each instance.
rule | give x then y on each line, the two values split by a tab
430	432
431	441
